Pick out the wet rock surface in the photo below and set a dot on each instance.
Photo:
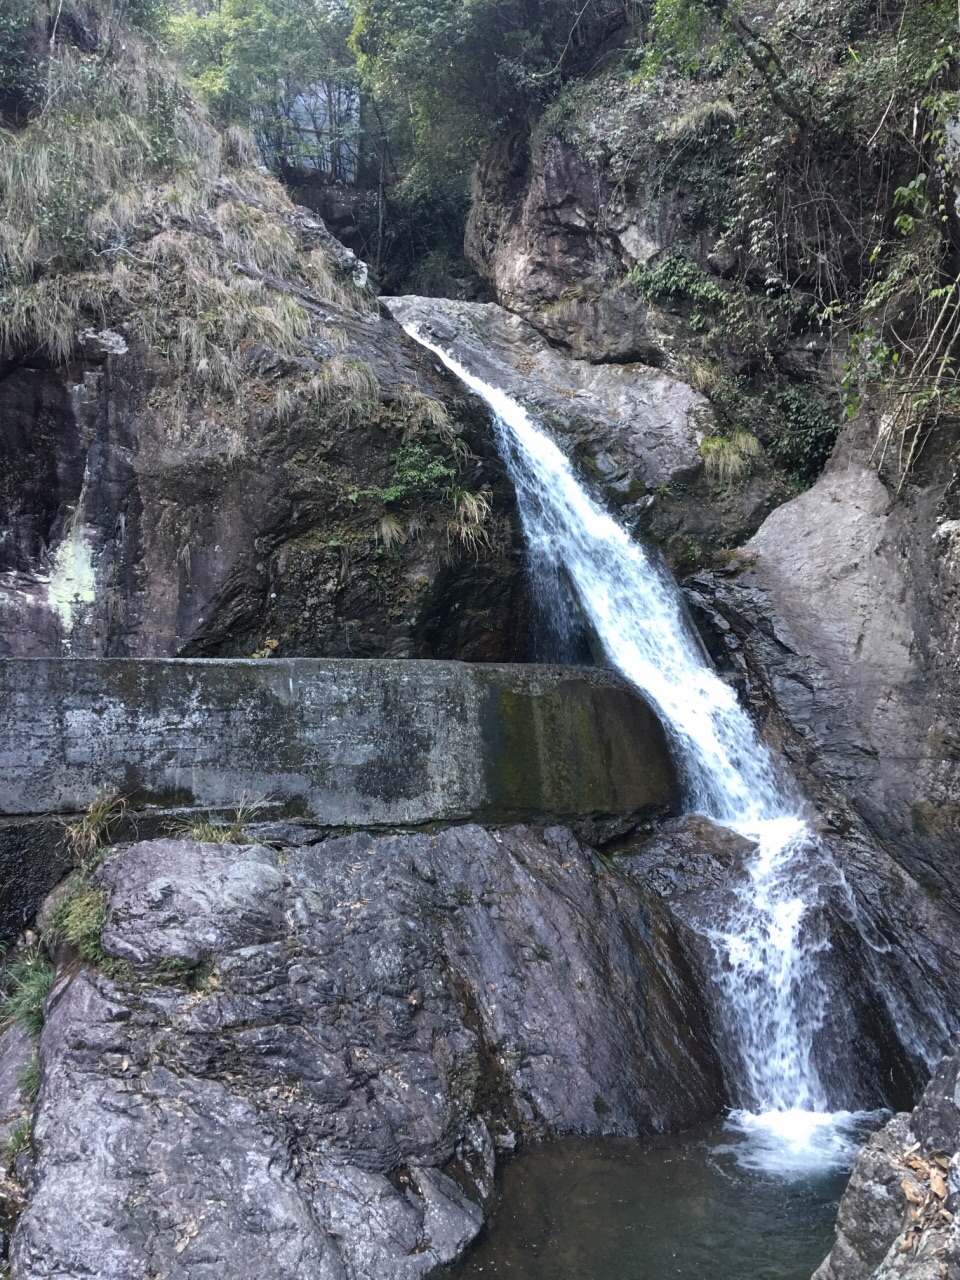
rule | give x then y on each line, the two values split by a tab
841	620
633	431
897	1216
885	992
309	1056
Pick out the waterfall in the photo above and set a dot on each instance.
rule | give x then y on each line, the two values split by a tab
766	955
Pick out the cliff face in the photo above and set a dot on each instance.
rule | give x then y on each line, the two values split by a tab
844	604
128	533
210	442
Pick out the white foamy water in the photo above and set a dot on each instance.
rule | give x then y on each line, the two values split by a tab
766	959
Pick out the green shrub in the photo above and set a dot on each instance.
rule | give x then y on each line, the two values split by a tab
419	474
806	435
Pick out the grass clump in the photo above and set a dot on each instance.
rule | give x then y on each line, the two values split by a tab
212	830
27	982
91	833
728	458
122	206
349	389
21	1137
79	917
30	1078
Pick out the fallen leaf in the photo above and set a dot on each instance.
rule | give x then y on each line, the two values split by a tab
938	1184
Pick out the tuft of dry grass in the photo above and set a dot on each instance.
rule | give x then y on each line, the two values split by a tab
727	458
122	206
390	531
89	834
702	118
212	830
703	375
349	388
467	524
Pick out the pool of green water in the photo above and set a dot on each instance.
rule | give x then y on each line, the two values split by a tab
666	1208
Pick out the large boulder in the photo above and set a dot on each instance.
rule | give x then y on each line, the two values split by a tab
303	1059
843	607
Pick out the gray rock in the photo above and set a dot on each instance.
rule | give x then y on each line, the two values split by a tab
182	901
897	1217
631	418
309	1061
633	430
16	1052
872	1207
845	610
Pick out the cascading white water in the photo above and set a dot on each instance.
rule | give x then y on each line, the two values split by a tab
767	962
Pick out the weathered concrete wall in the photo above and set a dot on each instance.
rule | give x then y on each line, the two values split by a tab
345	742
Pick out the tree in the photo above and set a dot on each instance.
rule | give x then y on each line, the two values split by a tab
282	67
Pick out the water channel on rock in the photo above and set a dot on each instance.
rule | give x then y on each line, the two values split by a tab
666	1208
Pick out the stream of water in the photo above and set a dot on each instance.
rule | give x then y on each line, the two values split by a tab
771	1000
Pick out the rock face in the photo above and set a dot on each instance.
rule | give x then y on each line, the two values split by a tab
897	1217
311	1054
634	432
845	610
648	424
557	223
145	513
120	540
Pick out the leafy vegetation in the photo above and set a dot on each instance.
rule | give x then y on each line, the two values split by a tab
26	982
282	68
844	188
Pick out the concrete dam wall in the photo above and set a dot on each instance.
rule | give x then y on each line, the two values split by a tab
338	742
341	741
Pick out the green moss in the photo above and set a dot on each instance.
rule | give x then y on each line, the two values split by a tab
931	818
79	917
